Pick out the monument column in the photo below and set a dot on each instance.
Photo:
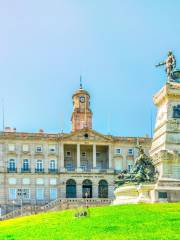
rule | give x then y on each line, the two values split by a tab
165	144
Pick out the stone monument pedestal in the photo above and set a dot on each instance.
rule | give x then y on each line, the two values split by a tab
132	194
165	150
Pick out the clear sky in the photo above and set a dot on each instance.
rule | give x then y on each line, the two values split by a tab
114	44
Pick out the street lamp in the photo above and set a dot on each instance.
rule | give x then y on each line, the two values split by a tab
13	202
86	196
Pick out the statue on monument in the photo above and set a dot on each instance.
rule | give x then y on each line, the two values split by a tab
170	63
173	75
143	170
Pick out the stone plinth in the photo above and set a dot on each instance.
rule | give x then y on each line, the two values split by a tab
132	194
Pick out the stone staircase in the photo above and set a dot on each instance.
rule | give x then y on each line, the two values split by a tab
58	204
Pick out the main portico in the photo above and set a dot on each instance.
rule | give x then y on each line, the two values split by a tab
86	150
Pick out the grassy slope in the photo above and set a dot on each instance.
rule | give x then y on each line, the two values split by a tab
151	221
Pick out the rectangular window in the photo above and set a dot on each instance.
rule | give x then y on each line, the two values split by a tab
98	154
26	181
12	181
162	194
130	167
83	154
53	193
25	148
68	154
39	181
118	151
130	151
39	149
40	194
12	193
53	181
24	193
52	148
11	147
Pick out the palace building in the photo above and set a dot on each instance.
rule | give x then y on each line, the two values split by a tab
36	168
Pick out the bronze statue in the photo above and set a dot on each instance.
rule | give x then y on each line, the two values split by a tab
170	63
142	171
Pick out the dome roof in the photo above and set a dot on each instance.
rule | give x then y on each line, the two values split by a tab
81	91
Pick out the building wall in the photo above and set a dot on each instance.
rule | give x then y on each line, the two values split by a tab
18	180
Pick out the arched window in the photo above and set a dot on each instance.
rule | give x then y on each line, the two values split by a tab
52	165
25	164
71	188
12	164
87	188
103	189
39	166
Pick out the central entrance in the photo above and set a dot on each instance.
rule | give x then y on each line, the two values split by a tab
87	189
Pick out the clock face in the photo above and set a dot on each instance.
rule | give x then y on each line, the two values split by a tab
82	99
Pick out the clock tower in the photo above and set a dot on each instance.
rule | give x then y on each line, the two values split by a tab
82	114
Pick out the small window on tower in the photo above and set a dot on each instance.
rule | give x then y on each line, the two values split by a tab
86	136
68	154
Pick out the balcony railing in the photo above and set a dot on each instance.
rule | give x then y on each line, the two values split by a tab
25	170
11	170
85	168
70	168
39	170
53	170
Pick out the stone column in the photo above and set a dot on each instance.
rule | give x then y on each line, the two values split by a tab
110	157
94	156
62	157
78	157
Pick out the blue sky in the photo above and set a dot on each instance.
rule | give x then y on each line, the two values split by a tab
113	44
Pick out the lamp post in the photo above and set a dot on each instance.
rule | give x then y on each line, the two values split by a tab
86	196
13	202
0	212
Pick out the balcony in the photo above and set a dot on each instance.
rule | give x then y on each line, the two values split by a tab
70	168
11	170
25	170
39	170
85	168
53	170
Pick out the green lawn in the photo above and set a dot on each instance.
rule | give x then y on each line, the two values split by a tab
143	221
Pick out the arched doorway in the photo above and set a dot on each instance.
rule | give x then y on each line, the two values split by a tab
71	188
103	189
87	188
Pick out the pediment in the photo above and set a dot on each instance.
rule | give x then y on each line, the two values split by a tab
87	135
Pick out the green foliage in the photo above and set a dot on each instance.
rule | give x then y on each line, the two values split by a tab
143	171
130	222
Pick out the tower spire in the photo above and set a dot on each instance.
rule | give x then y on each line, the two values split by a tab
80	82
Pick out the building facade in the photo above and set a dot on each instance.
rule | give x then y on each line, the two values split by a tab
36	168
